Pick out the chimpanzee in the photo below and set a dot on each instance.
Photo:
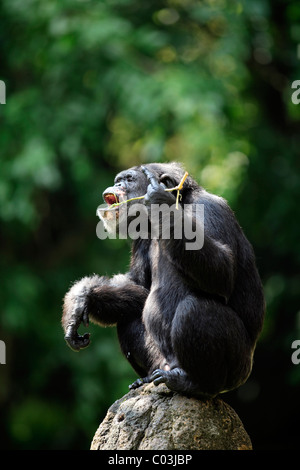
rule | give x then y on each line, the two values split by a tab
189	318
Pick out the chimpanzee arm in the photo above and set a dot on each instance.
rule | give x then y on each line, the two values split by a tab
102	300
210	266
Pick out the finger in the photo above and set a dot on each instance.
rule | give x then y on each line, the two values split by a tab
72	343
136	384
148	196
159	376
156	374
158	381
151	177
85	340
77	342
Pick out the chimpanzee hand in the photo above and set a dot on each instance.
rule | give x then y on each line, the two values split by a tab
156	193
78	315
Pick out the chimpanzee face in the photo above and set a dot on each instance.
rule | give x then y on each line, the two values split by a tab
128	184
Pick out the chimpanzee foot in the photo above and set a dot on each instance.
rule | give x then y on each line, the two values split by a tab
178	380
145	380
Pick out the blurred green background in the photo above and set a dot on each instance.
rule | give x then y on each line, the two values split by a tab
95	86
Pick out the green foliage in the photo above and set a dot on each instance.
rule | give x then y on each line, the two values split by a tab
96	86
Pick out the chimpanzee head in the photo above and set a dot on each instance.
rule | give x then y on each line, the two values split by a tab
128	184
132	184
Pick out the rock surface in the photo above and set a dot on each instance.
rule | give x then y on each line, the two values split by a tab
154	418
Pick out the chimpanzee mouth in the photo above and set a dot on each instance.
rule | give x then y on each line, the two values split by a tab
111	209
111	199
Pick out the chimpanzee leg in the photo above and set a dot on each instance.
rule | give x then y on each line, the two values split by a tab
138	347
212	348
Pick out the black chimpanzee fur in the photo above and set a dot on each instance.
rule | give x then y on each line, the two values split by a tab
188	318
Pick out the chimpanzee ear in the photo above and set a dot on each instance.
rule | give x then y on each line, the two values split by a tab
168	181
